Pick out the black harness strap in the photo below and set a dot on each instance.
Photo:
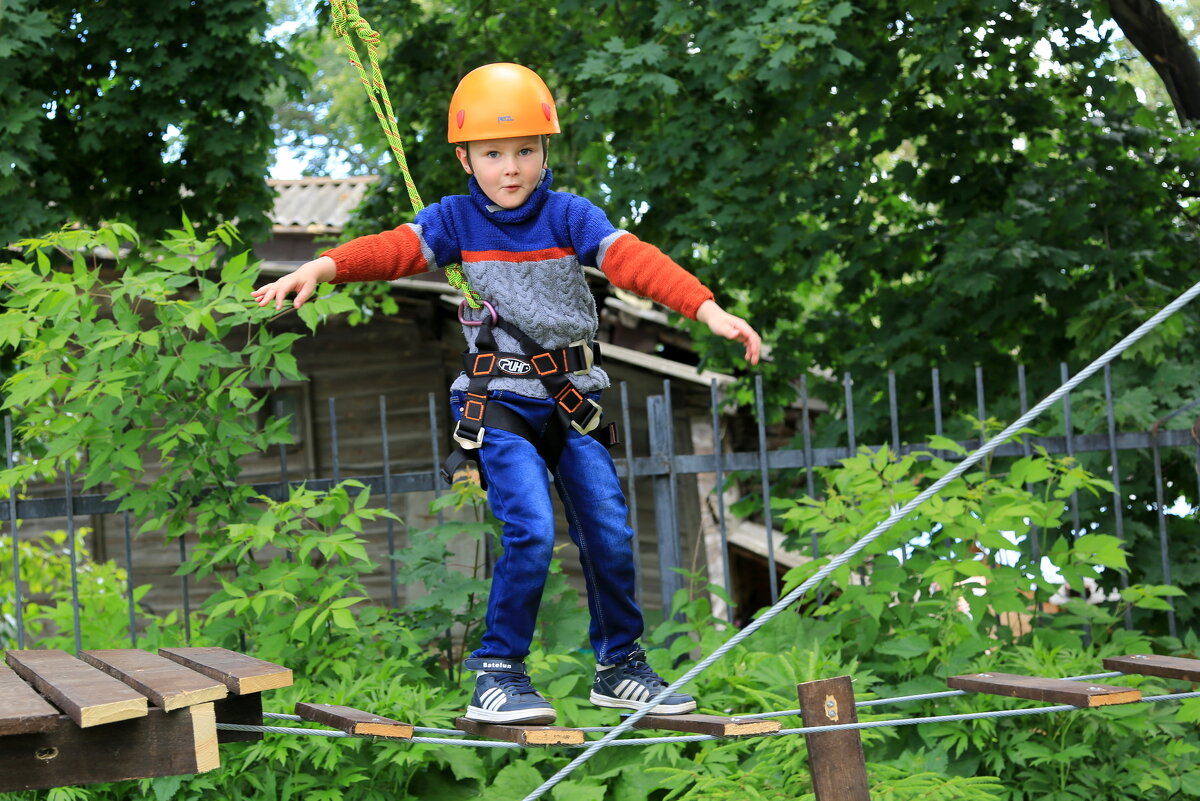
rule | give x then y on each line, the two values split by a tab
551	367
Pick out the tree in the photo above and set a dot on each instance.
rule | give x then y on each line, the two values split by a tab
1150	29
1000	193
126	110
878	186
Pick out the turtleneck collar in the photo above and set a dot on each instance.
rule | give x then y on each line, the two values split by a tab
527	210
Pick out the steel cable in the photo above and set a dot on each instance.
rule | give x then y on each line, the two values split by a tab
695	738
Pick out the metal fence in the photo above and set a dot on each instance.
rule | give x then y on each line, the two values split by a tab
664	469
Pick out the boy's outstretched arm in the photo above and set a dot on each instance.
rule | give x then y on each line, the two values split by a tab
303	282
727	325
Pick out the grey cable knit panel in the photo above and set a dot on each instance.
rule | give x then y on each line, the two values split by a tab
549	300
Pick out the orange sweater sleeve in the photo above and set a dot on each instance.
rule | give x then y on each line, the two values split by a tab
645	270
379	257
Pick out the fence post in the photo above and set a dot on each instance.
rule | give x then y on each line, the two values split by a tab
835	759
666	521
18	601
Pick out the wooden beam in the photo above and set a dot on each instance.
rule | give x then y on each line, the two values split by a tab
835	759
1054	691
241	674
525	735
1167	667
708	724
245	710
354	721
22	710
89	696
158	744
167	684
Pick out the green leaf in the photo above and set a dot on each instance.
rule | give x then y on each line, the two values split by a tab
906	647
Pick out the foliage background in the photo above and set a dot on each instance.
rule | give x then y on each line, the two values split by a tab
135	111
879	187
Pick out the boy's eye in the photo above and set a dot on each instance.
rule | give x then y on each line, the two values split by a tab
492	154
527	151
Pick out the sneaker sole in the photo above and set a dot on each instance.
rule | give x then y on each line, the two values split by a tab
620	703
530	717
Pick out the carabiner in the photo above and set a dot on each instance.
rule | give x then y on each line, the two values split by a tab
491	310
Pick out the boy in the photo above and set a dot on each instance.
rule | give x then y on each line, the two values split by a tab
526	404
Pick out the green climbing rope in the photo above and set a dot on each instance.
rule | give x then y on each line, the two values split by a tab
347	23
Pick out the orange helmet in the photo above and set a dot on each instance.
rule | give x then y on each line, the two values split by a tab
497	101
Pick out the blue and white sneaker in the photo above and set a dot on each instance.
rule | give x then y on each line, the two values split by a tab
504	694
630	684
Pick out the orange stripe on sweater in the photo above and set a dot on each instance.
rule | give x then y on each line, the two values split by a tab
517	256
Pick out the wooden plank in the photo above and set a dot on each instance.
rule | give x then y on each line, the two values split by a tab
22	710
708	724
89	696
1167	667
169	685
835	759
525	735
1054	691
158	744
241	674
354	721
242	709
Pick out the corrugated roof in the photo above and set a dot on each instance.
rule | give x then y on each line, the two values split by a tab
316	205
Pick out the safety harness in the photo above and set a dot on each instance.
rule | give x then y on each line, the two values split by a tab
573	410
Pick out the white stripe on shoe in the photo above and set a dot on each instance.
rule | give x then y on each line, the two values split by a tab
492	698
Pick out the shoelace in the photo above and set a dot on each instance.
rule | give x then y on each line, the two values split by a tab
514	683
642	671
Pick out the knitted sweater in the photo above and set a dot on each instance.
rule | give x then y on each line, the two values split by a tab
527	262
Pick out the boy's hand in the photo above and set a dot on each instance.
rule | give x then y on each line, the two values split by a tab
303	282
724	324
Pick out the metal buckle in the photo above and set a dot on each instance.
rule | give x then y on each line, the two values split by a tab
466	442
593	420
589	357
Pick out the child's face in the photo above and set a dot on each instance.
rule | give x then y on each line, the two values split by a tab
508	170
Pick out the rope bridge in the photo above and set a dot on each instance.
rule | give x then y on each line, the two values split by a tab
111	715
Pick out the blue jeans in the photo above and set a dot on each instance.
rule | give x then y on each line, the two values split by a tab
519	495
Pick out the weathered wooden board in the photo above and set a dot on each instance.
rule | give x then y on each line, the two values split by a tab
525	735
89	696
708	724
169	685
354	721
22	710
245	710
835	759
241	674
1054	691
158	744
1167	667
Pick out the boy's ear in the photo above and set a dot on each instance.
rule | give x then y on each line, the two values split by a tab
463	159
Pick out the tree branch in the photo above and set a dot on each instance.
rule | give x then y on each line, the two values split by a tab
1151	30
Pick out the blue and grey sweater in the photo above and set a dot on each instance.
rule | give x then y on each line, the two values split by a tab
527	262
